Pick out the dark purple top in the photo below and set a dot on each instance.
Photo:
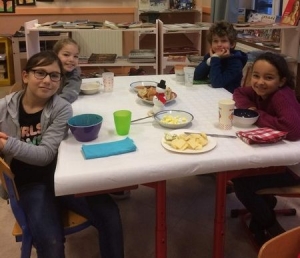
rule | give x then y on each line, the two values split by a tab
280	111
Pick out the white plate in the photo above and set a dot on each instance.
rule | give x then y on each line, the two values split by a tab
212	143
90	88
174	113
141	84
174	96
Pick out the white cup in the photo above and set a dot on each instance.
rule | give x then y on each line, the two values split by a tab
108	81
179	73
188	75
226	108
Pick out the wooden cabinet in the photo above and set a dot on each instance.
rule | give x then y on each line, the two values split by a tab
170	39
19	50
193	36
6	62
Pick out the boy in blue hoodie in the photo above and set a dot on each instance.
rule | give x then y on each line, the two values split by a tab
223	65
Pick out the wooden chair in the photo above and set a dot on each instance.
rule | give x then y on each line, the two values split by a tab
286	245
73	222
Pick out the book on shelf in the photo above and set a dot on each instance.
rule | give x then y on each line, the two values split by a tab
175	58
102	58
197	58
141	60
142	56
186	50
153	5
142	53
291	13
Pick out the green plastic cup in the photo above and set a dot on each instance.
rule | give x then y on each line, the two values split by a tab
122	120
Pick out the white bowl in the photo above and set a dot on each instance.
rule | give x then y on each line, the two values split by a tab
244	117
141	84
90	88
173	119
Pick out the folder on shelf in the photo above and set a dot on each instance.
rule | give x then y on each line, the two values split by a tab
142	56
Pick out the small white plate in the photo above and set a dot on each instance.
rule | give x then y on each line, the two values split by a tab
212	143
150	102
90	88
176	114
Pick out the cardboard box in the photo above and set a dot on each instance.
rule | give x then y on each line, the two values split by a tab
241	15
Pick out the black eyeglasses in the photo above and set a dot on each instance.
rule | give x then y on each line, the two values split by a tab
40	74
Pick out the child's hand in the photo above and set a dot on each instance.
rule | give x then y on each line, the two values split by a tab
3	136
222	53
3	139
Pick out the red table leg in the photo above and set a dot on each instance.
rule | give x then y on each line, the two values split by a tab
220	209
220	203
161	227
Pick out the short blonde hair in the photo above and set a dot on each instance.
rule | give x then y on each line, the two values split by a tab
63	42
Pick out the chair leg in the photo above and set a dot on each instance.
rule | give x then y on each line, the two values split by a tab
26	246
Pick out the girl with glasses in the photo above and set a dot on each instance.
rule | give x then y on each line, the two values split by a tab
33	122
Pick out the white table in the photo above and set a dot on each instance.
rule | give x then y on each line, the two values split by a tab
151	162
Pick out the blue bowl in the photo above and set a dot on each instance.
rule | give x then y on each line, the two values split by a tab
244	117
85	127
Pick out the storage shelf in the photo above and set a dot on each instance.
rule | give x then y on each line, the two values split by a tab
33	47
118	63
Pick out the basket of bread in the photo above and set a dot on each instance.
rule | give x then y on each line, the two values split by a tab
146	93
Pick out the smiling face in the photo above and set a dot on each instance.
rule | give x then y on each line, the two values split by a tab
265	79
39	88
218	44
68	55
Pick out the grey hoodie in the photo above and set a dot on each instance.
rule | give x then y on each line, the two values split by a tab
54	128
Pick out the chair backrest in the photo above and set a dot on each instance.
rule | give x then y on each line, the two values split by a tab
7	179
16	87
247	71
286	245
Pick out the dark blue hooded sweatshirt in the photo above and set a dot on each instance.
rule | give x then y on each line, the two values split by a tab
224	73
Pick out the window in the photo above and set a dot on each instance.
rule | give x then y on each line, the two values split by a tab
272	7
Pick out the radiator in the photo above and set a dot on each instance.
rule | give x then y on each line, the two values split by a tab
102	42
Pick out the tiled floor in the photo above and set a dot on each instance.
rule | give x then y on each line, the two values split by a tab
190	216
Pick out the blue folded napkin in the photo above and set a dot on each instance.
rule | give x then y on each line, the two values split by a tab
100	150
